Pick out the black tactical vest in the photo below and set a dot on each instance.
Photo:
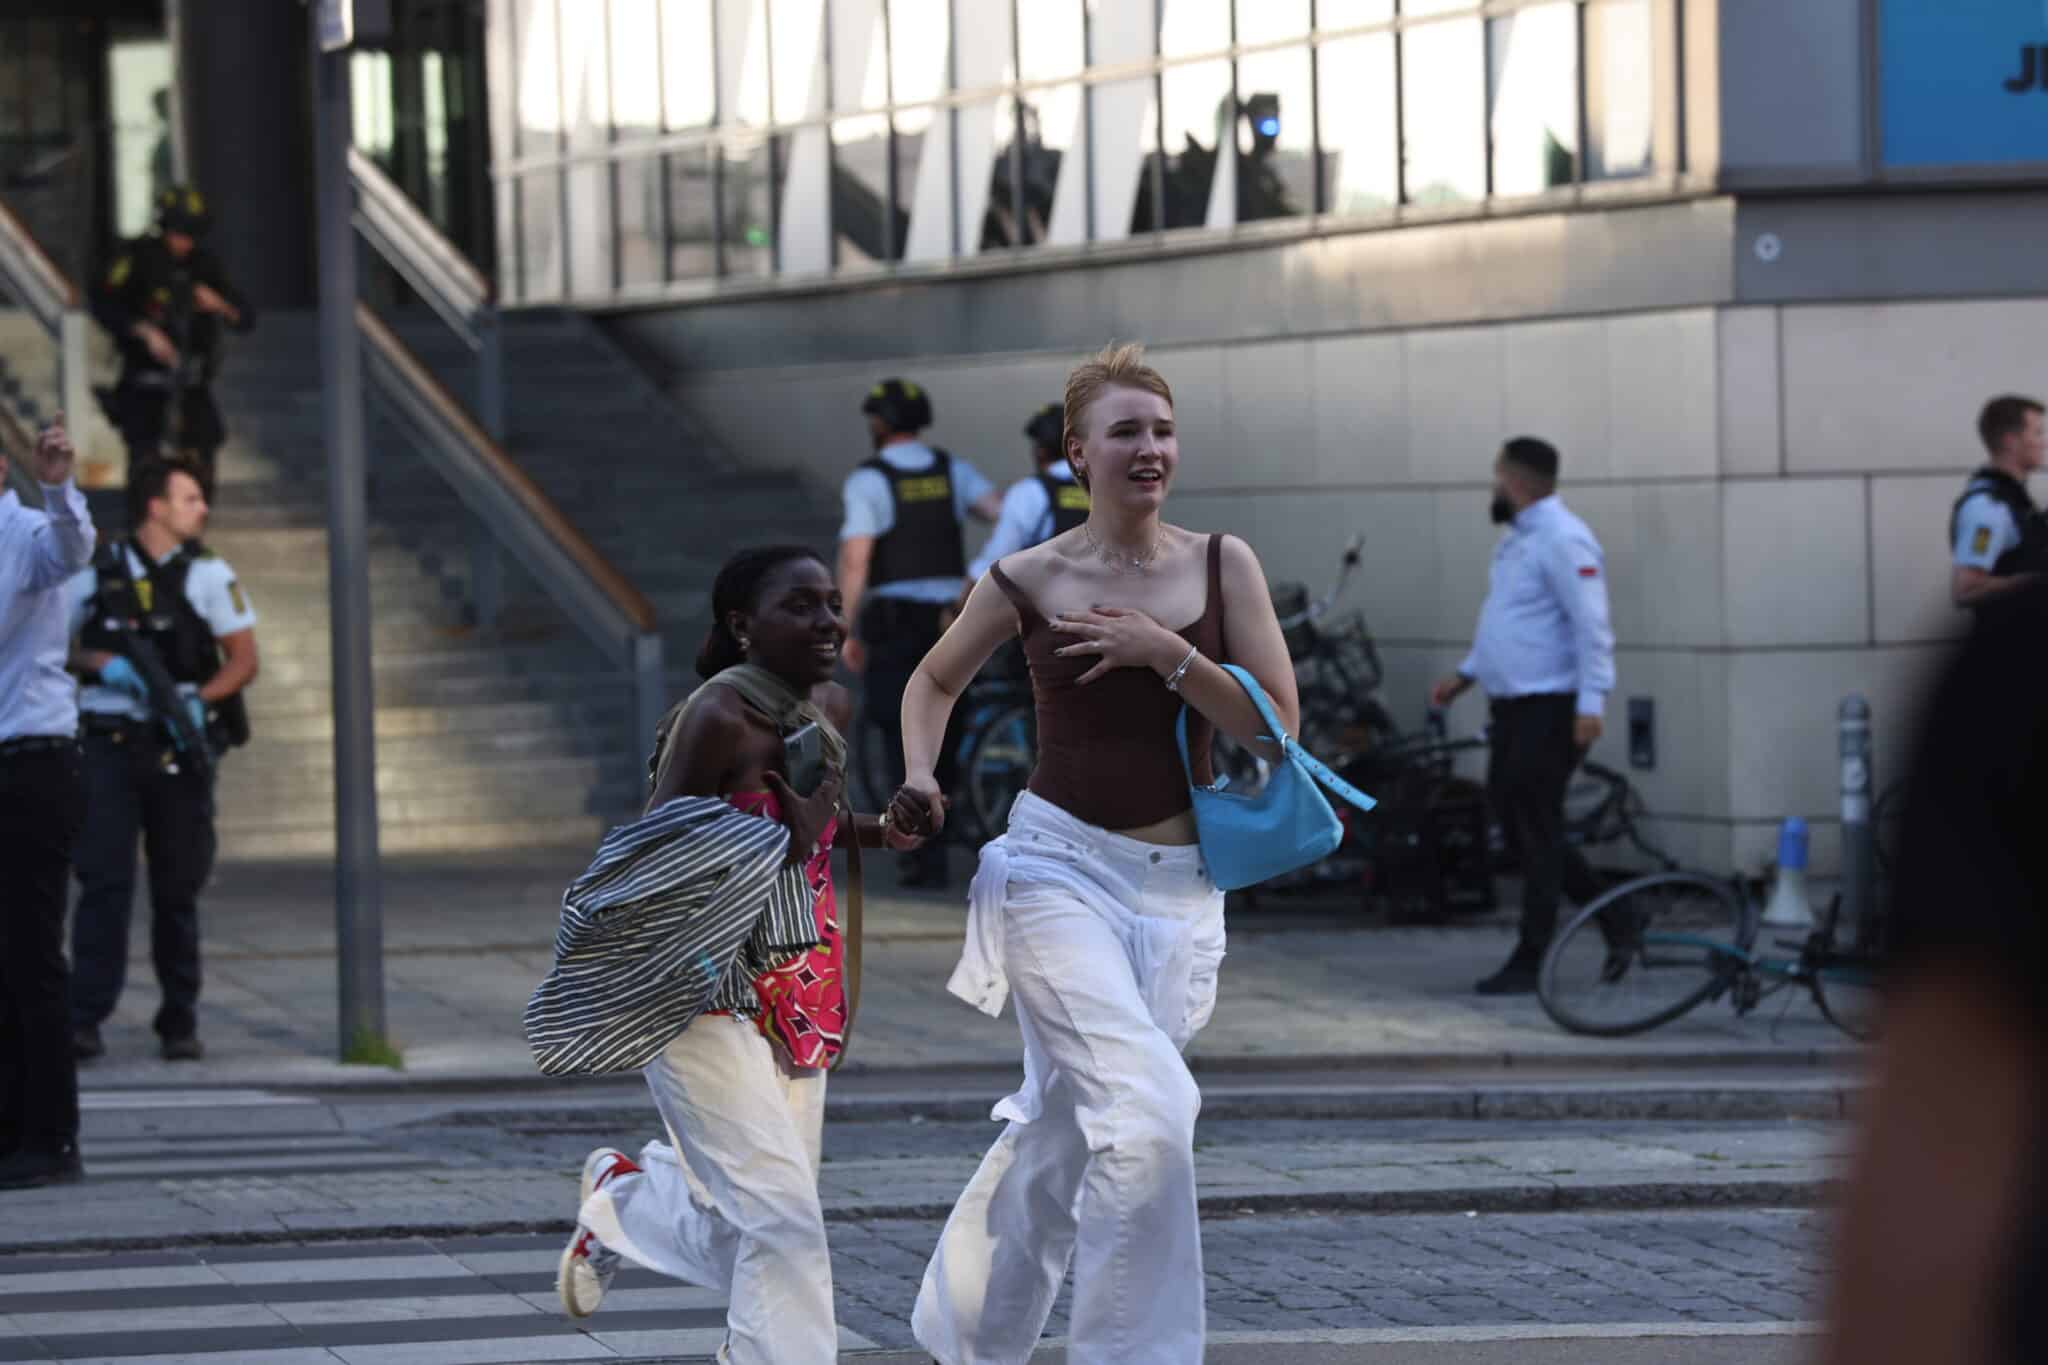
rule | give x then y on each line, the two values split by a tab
925	541
2031	554
153	608
1067	506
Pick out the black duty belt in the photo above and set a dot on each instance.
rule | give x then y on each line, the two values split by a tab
109	725
36	744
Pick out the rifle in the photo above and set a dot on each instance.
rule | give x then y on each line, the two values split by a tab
169	705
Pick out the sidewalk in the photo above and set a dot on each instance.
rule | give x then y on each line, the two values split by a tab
466	940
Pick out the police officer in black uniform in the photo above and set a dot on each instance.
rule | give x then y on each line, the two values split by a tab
154	603
167	303
901	566
1996	534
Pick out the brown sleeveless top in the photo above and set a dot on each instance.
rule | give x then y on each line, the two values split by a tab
1106	752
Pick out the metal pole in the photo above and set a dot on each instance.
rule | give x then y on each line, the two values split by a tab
180	116
1859	847
358	906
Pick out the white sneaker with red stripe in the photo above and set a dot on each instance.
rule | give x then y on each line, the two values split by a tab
587	1264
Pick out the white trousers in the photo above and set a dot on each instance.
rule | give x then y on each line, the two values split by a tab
730	1202
1096	1167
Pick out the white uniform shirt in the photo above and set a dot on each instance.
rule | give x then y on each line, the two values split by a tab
1984	531
1544	626
210	587
38	552
1026	519
871	511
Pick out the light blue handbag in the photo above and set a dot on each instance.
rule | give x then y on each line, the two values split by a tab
1248	839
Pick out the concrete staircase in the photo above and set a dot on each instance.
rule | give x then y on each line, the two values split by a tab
515	736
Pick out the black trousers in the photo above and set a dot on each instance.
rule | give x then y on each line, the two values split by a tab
129	793
144	417
1530	762
898	635
42	798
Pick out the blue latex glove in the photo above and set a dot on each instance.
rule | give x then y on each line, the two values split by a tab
196	709
121	675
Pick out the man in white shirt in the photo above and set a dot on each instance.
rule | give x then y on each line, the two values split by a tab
162	589
902	563
1036	509
42	799
1996	534
1544	653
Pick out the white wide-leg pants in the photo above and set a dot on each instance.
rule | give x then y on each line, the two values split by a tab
730	1202
1111	948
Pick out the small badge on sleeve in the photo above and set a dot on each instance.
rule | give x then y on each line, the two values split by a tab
1589	571
235	596
1981	541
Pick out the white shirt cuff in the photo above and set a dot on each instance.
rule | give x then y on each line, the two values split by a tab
1592	703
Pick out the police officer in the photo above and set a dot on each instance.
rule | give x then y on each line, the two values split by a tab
901	566
167	301
1997	535
1036	509
163	590
42	798
1545	655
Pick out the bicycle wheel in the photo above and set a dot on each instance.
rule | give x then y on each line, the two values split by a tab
1846	983
999	764
1643	954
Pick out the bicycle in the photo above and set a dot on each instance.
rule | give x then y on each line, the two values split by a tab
994	752
1659	945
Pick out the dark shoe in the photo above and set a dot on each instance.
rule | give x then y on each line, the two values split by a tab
1517	978
86	1043
29	1169
186	1049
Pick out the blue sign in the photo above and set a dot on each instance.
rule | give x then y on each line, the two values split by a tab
1965	82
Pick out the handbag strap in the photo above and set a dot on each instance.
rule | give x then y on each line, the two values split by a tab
1309	763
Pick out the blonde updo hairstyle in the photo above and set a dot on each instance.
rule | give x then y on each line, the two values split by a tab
1113	367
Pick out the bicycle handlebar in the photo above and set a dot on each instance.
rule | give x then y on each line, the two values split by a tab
1317	608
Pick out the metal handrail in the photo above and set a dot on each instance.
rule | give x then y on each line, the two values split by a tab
459	293
28	273
616	615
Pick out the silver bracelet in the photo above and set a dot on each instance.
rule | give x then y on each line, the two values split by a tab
1173	678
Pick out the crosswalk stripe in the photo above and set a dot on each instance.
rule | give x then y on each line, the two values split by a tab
187	1099
472	1301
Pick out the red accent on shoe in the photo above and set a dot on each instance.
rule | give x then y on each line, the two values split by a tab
619	1165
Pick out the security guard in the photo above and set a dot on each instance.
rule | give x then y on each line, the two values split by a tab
901	566
1997	535
166	301
162	588
1038	508
1545	655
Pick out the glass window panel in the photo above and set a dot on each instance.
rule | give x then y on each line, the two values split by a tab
1533	89
590	229
924	195
1620	90
1190	26
641	187
866	226
540	234
797	53
584	93
1197	119
750	187
743	62
692	214
689	82
1336	14
860	73
1127	30
920	34
636	69
1049	39
1360	159
539	124
1443	111
987	193
1054	160
1126	146
981	47
1413	8
803	223
1276	168
1268	21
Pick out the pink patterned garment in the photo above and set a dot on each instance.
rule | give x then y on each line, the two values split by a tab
803	1004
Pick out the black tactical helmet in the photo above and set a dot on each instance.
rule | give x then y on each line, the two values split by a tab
1048	427
901	405
183	209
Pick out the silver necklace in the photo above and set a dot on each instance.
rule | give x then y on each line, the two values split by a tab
1118	561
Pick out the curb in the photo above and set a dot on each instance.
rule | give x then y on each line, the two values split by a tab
1617	1198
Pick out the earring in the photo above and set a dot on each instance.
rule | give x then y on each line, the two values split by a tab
744	646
